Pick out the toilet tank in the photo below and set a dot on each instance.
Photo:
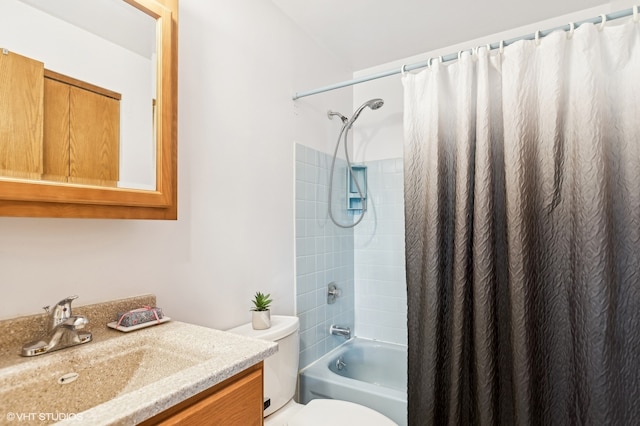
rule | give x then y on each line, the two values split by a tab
281	368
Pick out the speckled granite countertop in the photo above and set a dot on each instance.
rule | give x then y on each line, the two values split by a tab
231	355
124	378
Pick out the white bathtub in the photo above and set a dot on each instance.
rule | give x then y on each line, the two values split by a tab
373	374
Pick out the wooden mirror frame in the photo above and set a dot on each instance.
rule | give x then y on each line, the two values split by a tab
50	199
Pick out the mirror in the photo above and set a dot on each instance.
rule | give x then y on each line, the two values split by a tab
124	51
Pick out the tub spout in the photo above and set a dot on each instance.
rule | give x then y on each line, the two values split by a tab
336	330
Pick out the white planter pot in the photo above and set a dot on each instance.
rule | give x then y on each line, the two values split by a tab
260	320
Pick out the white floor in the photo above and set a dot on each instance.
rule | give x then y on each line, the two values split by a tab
280	417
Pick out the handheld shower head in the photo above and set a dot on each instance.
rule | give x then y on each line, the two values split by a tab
375	103
372	103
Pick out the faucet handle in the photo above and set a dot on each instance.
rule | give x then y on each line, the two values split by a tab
62	311
333	292
68	300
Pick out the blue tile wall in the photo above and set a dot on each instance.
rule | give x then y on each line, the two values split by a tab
366	262
380	280
324	254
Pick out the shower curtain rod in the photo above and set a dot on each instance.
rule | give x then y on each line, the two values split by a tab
453	56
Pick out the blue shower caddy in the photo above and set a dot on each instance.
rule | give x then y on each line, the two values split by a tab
355	204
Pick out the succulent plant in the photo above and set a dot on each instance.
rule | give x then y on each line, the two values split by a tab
261	302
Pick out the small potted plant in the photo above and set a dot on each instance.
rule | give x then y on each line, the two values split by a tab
261	315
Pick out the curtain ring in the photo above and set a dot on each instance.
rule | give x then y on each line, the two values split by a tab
476	50
537	37
604	21
459	54
403	71
440	59
429	62
636	18
501	47
572	28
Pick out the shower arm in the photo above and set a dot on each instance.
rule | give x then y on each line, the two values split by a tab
330	114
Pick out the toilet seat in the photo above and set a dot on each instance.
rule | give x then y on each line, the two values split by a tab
323	412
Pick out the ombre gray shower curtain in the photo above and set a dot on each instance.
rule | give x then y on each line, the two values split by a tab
522	212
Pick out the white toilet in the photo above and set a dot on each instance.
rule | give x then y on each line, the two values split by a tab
280	377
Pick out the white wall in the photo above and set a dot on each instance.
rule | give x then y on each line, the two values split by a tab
616	5
239	64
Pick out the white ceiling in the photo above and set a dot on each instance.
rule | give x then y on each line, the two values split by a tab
366	33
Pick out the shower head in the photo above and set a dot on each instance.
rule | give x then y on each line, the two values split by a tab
372	103
330	114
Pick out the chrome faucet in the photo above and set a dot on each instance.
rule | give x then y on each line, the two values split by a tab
336	330
62	331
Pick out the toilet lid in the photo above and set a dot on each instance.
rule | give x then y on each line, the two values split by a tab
323	412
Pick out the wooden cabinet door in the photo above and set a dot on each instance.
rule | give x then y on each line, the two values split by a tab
238	401
237	404
94	129
21	115
56	131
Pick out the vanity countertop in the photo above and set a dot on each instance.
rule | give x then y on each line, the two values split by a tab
232	354
144	369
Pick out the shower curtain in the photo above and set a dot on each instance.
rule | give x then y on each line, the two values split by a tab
522	212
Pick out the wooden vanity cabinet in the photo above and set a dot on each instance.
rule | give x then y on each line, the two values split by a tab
21	115
235	401
55	127
81	132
